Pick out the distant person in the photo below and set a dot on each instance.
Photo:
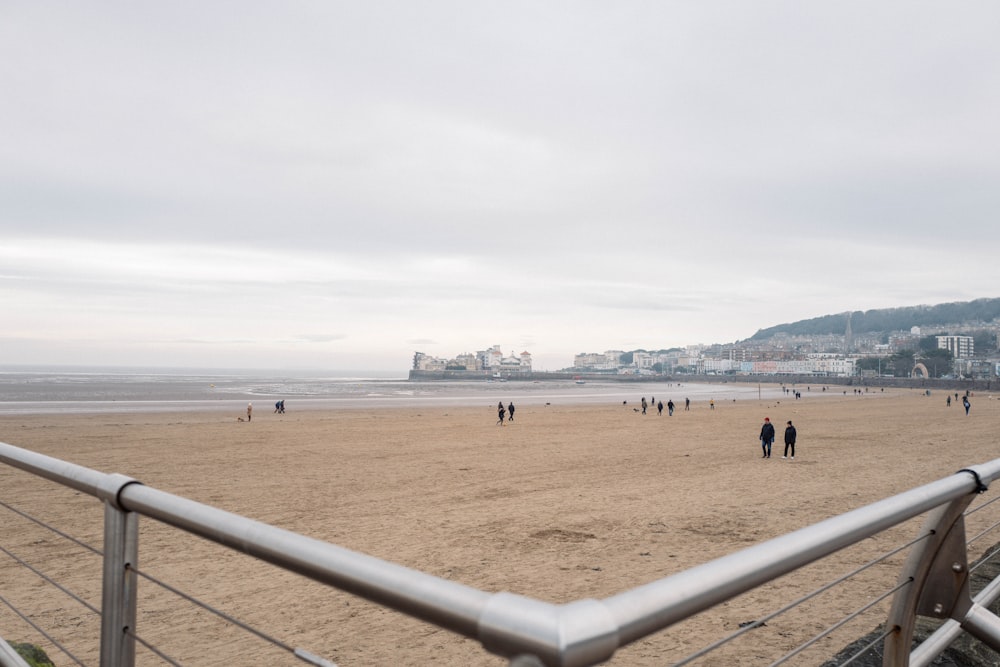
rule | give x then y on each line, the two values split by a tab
687	403
282	406
711	404
510	412
766	437
277	406
789	440
670	407
659	409
249	410
501	413
965	402
947	401
644	404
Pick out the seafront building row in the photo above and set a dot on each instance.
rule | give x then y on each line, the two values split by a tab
780	355
492	360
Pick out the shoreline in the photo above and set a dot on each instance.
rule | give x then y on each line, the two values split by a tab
443	394
783	380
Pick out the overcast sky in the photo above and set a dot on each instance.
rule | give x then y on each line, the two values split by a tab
335	185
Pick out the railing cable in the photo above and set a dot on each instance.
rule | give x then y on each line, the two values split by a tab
867	647
42	632
51	581
52	528
988	529
846	619
983	505
983	561
298	653
791	605
160	654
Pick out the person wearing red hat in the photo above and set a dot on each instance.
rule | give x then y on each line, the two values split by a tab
766	437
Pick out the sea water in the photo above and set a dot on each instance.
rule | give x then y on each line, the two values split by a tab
54	390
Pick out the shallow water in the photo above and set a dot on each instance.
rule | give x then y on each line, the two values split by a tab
66	390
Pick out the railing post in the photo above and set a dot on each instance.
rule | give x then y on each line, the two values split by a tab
118	594
938	575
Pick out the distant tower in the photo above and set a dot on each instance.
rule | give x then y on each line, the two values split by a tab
848	336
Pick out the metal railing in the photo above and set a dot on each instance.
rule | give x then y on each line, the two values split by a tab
530	632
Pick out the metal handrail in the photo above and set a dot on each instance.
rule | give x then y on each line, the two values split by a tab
9	657
585	632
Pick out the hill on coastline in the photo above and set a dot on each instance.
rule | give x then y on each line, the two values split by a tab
890	319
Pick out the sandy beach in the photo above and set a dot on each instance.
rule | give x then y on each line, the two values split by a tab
566	502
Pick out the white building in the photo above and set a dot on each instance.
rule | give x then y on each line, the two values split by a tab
961	347
608	361
717	366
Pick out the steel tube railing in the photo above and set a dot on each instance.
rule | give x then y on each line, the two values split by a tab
584	632
98	484
940	639
443	602
118	591
657	605
9	657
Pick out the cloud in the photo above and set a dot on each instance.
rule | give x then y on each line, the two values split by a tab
450	176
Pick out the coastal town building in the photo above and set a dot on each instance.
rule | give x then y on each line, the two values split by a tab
491	360
595	361
851	354
961	347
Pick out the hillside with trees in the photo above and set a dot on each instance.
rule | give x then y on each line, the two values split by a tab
980	311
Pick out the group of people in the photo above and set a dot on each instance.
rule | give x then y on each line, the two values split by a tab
279	407
965	402
767	439
659	405
503	412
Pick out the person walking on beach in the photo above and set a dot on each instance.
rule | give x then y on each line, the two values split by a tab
687	403
766	437
659	409
789	440
965	402
249	410
670	408
501	413
711	404
644	404
510	412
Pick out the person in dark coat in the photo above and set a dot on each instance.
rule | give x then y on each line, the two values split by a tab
789	440
510	412
766	437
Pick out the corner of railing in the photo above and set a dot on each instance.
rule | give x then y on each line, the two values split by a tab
572	635
110	488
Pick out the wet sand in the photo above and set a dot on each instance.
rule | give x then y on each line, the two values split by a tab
566	502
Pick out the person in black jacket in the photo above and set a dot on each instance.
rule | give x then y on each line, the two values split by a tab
766	437
789	440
